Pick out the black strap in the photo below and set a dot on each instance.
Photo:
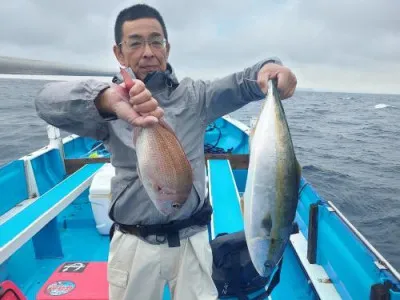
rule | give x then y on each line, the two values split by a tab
273	283
171	230
112	230
202	217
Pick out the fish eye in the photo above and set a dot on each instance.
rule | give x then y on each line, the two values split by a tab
176	205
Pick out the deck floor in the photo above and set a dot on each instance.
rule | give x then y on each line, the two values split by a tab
80	229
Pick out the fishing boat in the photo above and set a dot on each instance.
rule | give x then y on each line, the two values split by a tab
54	227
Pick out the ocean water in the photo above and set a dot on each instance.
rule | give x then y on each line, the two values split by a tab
348	146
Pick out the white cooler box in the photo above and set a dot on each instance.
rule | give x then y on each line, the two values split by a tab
100	197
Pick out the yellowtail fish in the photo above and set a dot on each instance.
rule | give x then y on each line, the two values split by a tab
271	193
162	164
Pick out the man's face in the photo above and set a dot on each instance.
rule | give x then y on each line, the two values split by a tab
143	47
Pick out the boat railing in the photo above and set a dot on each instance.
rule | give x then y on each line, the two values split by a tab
337	246
37	188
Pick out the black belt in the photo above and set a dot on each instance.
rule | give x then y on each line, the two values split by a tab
170	231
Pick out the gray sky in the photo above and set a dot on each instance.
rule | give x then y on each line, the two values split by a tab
332	45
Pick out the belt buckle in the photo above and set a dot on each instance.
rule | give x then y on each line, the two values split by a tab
161	238
142	230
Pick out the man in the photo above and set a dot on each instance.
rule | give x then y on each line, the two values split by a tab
143	259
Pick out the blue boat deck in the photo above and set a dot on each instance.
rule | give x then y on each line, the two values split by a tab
79	228
224	197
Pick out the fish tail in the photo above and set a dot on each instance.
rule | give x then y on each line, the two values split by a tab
127	79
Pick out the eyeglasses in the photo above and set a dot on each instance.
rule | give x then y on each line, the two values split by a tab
136	43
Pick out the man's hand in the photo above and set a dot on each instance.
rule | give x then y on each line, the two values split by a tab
136	106
286	80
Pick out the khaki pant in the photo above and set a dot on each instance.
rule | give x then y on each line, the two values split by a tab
139	270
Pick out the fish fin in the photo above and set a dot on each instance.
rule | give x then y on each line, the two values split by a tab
298	172
127	79
252	130
163	189
267	223
136	132
242	205
254	127
274	88
298	168
138	171
156	186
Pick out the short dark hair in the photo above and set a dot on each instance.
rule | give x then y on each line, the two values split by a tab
134	12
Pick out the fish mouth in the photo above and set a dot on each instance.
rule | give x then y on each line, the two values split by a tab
168	207
263	255
169	204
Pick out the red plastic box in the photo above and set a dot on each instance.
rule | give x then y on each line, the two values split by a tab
77	281
9	291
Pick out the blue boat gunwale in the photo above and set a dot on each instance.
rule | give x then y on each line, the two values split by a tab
380	260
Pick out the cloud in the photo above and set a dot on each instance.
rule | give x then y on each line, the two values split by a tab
340	45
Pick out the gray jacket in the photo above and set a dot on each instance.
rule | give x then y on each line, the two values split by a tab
189	106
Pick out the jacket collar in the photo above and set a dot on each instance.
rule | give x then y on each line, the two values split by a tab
154	81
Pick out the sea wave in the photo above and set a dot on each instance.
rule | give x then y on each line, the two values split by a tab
383	105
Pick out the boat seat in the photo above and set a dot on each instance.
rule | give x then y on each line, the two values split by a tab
29	222
224	198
